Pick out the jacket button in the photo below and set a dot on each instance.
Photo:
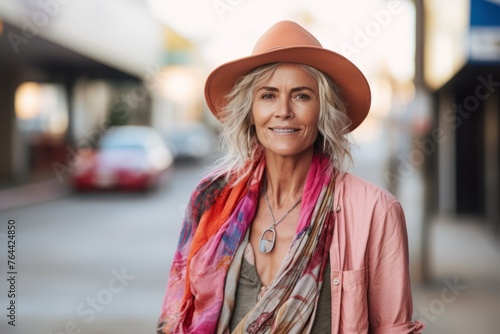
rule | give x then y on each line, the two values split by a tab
336	281
338	208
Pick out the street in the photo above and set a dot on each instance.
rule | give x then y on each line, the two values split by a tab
96	262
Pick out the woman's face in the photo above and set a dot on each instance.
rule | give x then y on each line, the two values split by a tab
285	111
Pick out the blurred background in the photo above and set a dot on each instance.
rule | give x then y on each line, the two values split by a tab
104	132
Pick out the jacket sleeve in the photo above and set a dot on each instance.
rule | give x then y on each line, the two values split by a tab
389	290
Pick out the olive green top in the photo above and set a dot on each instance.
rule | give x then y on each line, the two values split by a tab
249	286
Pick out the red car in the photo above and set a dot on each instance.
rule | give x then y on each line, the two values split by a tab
128	157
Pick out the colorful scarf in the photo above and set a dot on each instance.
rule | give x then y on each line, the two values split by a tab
205	269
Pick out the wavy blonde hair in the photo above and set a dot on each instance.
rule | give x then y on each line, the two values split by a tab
238	140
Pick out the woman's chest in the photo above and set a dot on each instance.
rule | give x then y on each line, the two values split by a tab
279	241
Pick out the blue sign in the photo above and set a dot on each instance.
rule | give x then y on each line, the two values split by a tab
485	13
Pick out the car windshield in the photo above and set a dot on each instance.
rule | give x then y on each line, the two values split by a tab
122	146
123	141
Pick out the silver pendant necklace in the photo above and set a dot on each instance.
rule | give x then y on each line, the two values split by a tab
268	238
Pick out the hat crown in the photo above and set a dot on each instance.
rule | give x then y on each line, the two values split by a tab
282	35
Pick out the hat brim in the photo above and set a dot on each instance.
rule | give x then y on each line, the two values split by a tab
353	86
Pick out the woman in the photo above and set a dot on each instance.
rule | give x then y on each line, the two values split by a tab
280	239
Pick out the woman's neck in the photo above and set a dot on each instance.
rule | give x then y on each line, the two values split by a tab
286	177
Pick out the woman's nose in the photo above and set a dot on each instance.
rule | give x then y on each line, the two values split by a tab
284	109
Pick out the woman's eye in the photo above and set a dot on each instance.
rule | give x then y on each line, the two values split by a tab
267	96
302	96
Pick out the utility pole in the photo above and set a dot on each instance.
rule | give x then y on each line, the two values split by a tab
422	92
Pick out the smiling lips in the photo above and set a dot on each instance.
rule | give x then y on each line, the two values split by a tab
284	130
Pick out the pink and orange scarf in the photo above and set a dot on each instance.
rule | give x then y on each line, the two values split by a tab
205	269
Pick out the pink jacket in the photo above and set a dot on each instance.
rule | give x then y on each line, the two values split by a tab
370	280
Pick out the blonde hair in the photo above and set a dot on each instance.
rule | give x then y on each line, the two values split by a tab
238	140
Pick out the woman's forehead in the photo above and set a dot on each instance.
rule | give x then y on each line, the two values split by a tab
287	74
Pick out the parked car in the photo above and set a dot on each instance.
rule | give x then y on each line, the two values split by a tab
189	140
128	157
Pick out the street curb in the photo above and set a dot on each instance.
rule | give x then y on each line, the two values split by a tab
32	194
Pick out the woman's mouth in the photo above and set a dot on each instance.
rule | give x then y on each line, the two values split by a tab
284	130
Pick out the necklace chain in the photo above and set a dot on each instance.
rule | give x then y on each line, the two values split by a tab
266	245
275	223
268	238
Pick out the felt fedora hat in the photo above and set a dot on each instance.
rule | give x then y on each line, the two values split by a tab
288	42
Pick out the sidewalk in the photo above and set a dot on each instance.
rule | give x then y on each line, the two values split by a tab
30	194
463	294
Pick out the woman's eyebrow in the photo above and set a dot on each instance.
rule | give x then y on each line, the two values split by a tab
271	89
295	89
298	89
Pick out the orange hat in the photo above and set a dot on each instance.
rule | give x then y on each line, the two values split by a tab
288	42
